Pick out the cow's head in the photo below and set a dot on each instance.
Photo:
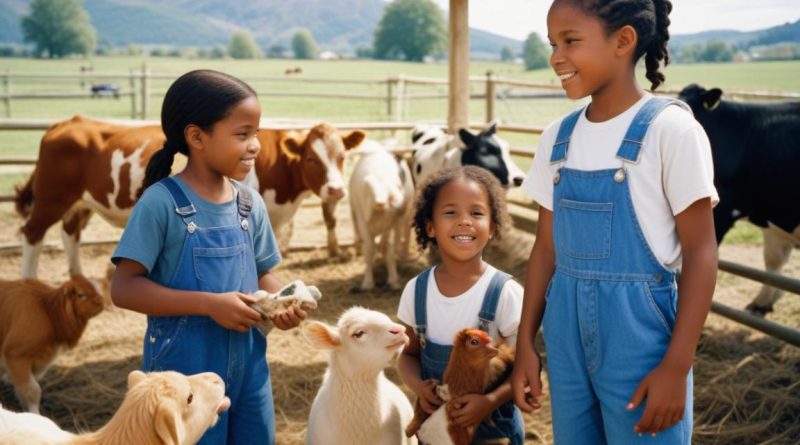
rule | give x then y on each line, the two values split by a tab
701	100
488	151
430	144
321	152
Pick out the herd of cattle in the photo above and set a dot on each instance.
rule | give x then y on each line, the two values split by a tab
88	166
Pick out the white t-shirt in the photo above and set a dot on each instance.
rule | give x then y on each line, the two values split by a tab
675	169
448	315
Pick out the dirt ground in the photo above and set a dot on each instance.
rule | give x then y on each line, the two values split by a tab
747	388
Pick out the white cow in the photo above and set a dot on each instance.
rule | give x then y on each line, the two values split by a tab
381	193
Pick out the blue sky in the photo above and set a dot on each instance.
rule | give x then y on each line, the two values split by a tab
517	18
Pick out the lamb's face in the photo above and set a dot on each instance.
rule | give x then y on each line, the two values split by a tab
85	296
370	338
364	340
185	406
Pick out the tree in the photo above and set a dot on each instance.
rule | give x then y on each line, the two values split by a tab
410	30
535	52
507	54
242	46
716	51
59	28
276	52
304	45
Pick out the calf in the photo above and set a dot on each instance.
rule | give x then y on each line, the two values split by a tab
88	166
356	403
160	408
36	321
381	194
434	150
756	154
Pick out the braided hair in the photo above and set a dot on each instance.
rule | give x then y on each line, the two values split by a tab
650	19
201	98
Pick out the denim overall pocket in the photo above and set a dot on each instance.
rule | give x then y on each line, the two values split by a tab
663	301
219	269
161	339
583	229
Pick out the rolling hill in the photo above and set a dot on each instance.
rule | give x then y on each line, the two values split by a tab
337	25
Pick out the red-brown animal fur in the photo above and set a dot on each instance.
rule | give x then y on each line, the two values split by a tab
36	321
475	367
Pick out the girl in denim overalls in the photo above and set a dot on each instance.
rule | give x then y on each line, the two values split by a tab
458	211
197	245
625	187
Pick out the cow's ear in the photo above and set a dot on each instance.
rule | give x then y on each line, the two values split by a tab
292	147
711	98
354	139
466	137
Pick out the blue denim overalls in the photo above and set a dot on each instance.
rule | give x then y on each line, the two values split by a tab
434	357
611	304
216	259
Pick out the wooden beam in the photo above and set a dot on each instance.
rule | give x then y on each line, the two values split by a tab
458	111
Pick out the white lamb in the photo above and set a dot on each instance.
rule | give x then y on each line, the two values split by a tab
356	403
381	190
160	408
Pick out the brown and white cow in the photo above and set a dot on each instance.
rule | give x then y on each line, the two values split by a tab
88	166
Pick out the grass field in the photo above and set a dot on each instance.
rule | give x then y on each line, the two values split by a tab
766	76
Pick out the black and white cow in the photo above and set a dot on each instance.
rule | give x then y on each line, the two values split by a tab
756	151
434	149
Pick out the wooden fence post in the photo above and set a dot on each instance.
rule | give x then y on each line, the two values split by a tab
145	90
490	93
132	83
389	82
401	87
7	92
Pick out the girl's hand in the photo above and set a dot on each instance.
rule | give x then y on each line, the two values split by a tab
231	310
469	409
526	382
289	318
665	389
426	394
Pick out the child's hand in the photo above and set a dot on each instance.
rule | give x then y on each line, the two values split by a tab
231	310
665	389
426	394
289	318
526	382
469	409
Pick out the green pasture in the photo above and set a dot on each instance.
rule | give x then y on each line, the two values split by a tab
764	76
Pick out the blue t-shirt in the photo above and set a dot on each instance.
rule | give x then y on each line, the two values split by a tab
154	234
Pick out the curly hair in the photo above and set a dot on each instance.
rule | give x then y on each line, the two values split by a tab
650	19
428	191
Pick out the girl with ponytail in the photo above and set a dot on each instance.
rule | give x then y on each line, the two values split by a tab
198	245
623	268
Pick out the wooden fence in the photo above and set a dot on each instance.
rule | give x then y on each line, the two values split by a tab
137	86
785	333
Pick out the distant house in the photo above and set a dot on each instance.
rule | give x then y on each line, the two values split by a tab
329	55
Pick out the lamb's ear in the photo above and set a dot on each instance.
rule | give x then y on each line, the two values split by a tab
135	377
168	424
321	336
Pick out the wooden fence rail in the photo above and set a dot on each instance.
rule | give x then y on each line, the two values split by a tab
139	89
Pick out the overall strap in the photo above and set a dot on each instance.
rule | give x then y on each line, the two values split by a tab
490	300
420	308
183	207
561	145
244	203
631	145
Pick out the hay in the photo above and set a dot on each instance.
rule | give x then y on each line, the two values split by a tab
746	385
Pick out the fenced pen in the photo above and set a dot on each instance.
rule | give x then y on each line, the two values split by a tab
386	107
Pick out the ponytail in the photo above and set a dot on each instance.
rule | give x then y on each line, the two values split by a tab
658	50
160	164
